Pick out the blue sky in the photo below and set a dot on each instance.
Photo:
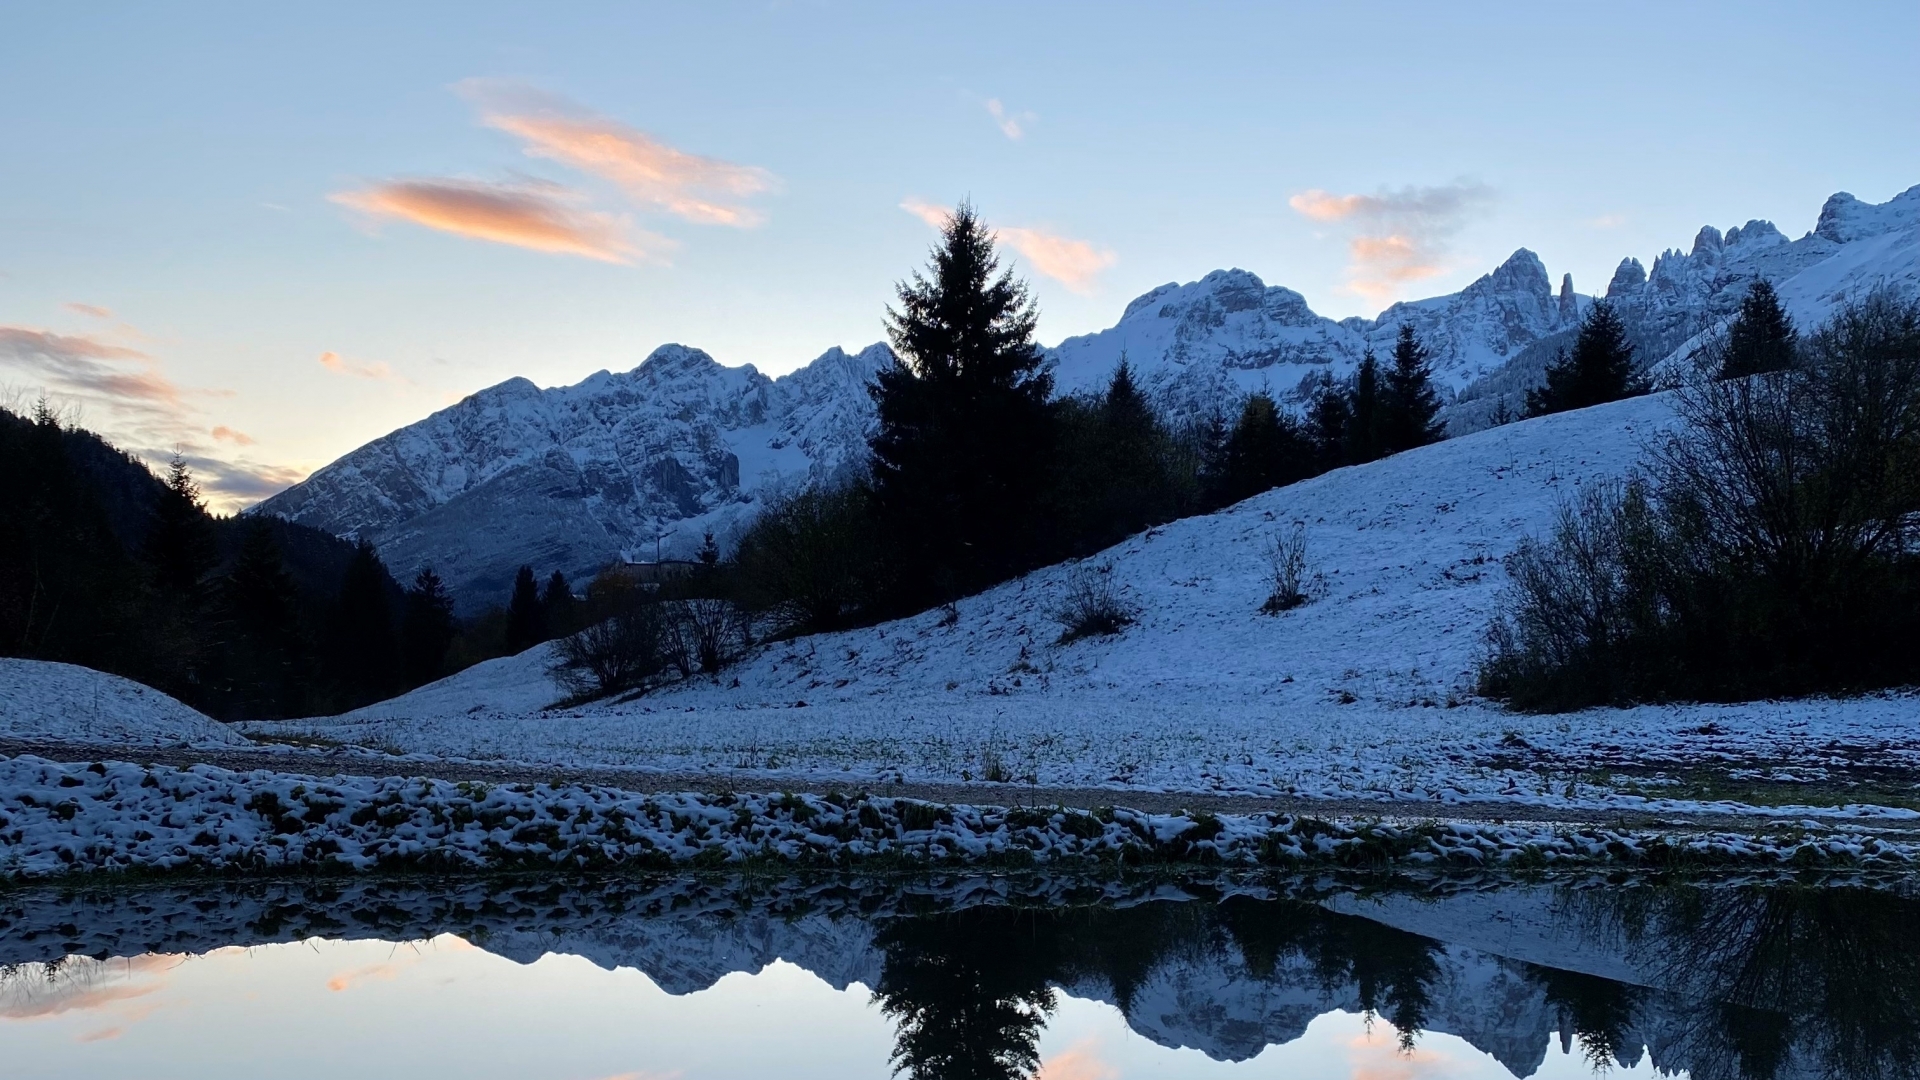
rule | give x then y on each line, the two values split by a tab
303	227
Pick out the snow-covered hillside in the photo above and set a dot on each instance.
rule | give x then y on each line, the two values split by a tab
571	477
1367	690
47	702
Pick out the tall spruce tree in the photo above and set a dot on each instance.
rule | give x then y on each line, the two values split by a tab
265	664
1135	452
526	618
559	605
966	434
1409	403
363	652
1364	407
1600	368
1761	337
1328	418
426	628
1265	450
180	550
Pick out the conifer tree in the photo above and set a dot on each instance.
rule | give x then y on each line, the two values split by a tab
1265	450
1134	455
264	667
966	433
526	620
1600	368
1327	420
1761	337
180	543
558	605
1363	412
426	628
363	652
1409	403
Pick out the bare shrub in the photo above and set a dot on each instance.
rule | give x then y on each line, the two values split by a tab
626	650
1771	550
1092	606
1292	579
707	635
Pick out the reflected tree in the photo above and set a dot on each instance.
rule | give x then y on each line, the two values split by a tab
970	991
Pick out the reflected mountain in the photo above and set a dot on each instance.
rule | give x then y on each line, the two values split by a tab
1753	981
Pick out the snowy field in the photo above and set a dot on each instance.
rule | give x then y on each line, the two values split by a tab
1365	692
63	703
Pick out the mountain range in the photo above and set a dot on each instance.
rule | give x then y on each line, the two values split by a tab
627	465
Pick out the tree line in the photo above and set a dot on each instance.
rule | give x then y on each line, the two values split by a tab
978	472
105	565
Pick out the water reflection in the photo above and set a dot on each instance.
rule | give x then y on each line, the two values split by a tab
1760	982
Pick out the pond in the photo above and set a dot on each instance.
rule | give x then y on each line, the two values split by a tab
961	978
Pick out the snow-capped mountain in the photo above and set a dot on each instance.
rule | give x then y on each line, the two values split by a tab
572	477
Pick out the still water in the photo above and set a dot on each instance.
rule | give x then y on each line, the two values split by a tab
959	979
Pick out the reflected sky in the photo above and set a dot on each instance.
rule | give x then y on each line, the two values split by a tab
373	1010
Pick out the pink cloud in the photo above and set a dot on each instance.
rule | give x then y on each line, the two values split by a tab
340	365
1077	264
700	189
224	433
93	310
1402	236
530	214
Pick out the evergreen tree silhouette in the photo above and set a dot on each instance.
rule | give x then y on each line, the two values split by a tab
1409	403
426	628
1328	418
526	619
265	663
1761	337
969	991
965	432
1265	450
1362	442
558	605
1599	370
363	652
180	546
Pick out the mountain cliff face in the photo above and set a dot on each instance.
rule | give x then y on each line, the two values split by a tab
573	477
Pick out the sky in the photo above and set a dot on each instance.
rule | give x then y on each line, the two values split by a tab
262	235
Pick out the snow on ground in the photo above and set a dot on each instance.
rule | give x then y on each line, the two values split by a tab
61	818
42	701
1367	691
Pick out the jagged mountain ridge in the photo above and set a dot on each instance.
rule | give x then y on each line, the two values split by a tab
572	477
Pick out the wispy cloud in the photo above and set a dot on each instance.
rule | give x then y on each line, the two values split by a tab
530	214
378	369
123	394
1401	236
383	972
1012	125
1077	264
1608	221
91	310
651	173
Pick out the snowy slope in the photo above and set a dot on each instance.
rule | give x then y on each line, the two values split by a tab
1366	691
44	701
571	477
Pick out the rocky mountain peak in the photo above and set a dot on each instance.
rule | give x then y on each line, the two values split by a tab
1627	278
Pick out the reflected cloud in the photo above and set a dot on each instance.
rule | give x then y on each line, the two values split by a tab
532	214
700	189
1402	235
1077	264
81	984
1081	1061
1373	1057
383	972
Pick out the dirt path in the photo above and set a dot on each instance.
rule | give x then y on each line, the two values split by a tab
645	781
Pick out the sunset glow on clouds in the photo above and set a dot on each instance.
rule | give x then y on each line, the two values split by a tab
1076	264
1401	236
1081	1061
651	173
340	365
529	214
